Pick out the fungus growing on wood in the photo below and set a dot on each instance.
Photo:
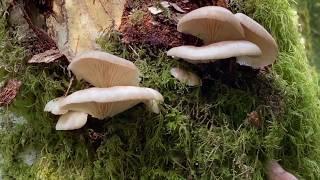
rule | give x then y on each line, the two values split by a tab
225	35
216	51
100	103
257	34
104	70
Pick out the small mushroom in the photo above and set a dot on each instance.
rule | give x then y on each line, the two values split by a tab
276	172
185	76
213	52
53	106
257	34
104	70
106	102
211	24
71	120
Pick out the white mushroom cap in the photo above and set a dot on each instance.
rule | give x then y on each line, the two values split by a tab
185	76
276	172
53	106
211	24
71	121
107	102
257	34
104	70
213	52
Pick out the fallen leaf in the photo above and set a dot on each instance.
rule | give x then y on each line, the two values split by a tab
155	10
177	8
46	57
9	92
165	4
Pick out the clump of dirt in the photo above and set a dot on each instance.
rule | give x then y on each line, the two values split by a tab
158	30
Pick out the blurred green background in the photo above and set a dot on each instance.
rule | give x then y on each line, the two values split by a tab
309	17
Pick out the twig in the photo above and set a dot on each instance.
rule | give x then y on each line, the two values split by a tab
69	87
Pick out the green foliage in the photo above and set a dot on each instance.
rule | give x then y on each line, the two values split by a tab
201	132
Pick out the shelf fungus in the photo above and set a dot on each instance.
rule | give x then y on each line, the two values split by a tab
116	91
225	35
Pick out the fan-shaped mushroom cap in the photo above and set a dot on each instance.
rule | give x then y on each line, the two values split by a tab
212	52
185	76
53	106
257	34
104	70
107	102
211	24
72	120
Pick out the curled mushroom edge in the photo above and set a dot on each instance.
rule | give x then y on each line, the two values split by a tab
225	35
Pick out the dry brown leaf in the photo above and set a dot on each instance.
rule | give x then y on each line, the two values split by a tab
9	92
46	57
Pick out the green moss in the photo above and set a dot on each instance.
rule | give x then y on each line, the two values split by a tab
309	13
201	132
137	17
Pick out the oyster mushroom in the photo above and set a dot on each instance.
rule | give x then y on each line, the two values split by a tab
104	70
211	24
256	48
257	34
72	120
101	103
186	76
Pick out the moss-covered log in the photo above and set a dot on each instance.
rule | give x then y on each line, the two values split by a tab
201	133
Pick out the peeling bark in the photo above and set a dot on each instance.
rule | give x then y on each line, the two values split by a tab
76	24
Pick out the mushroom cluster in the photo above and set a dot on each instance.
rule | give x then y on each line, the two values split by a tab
225	35
116	82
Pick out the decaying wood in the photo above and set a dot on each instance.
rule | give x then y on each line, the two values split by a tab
76	24
46	57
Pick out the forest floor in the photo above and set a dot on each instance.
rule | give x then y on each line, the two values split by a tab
226	129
